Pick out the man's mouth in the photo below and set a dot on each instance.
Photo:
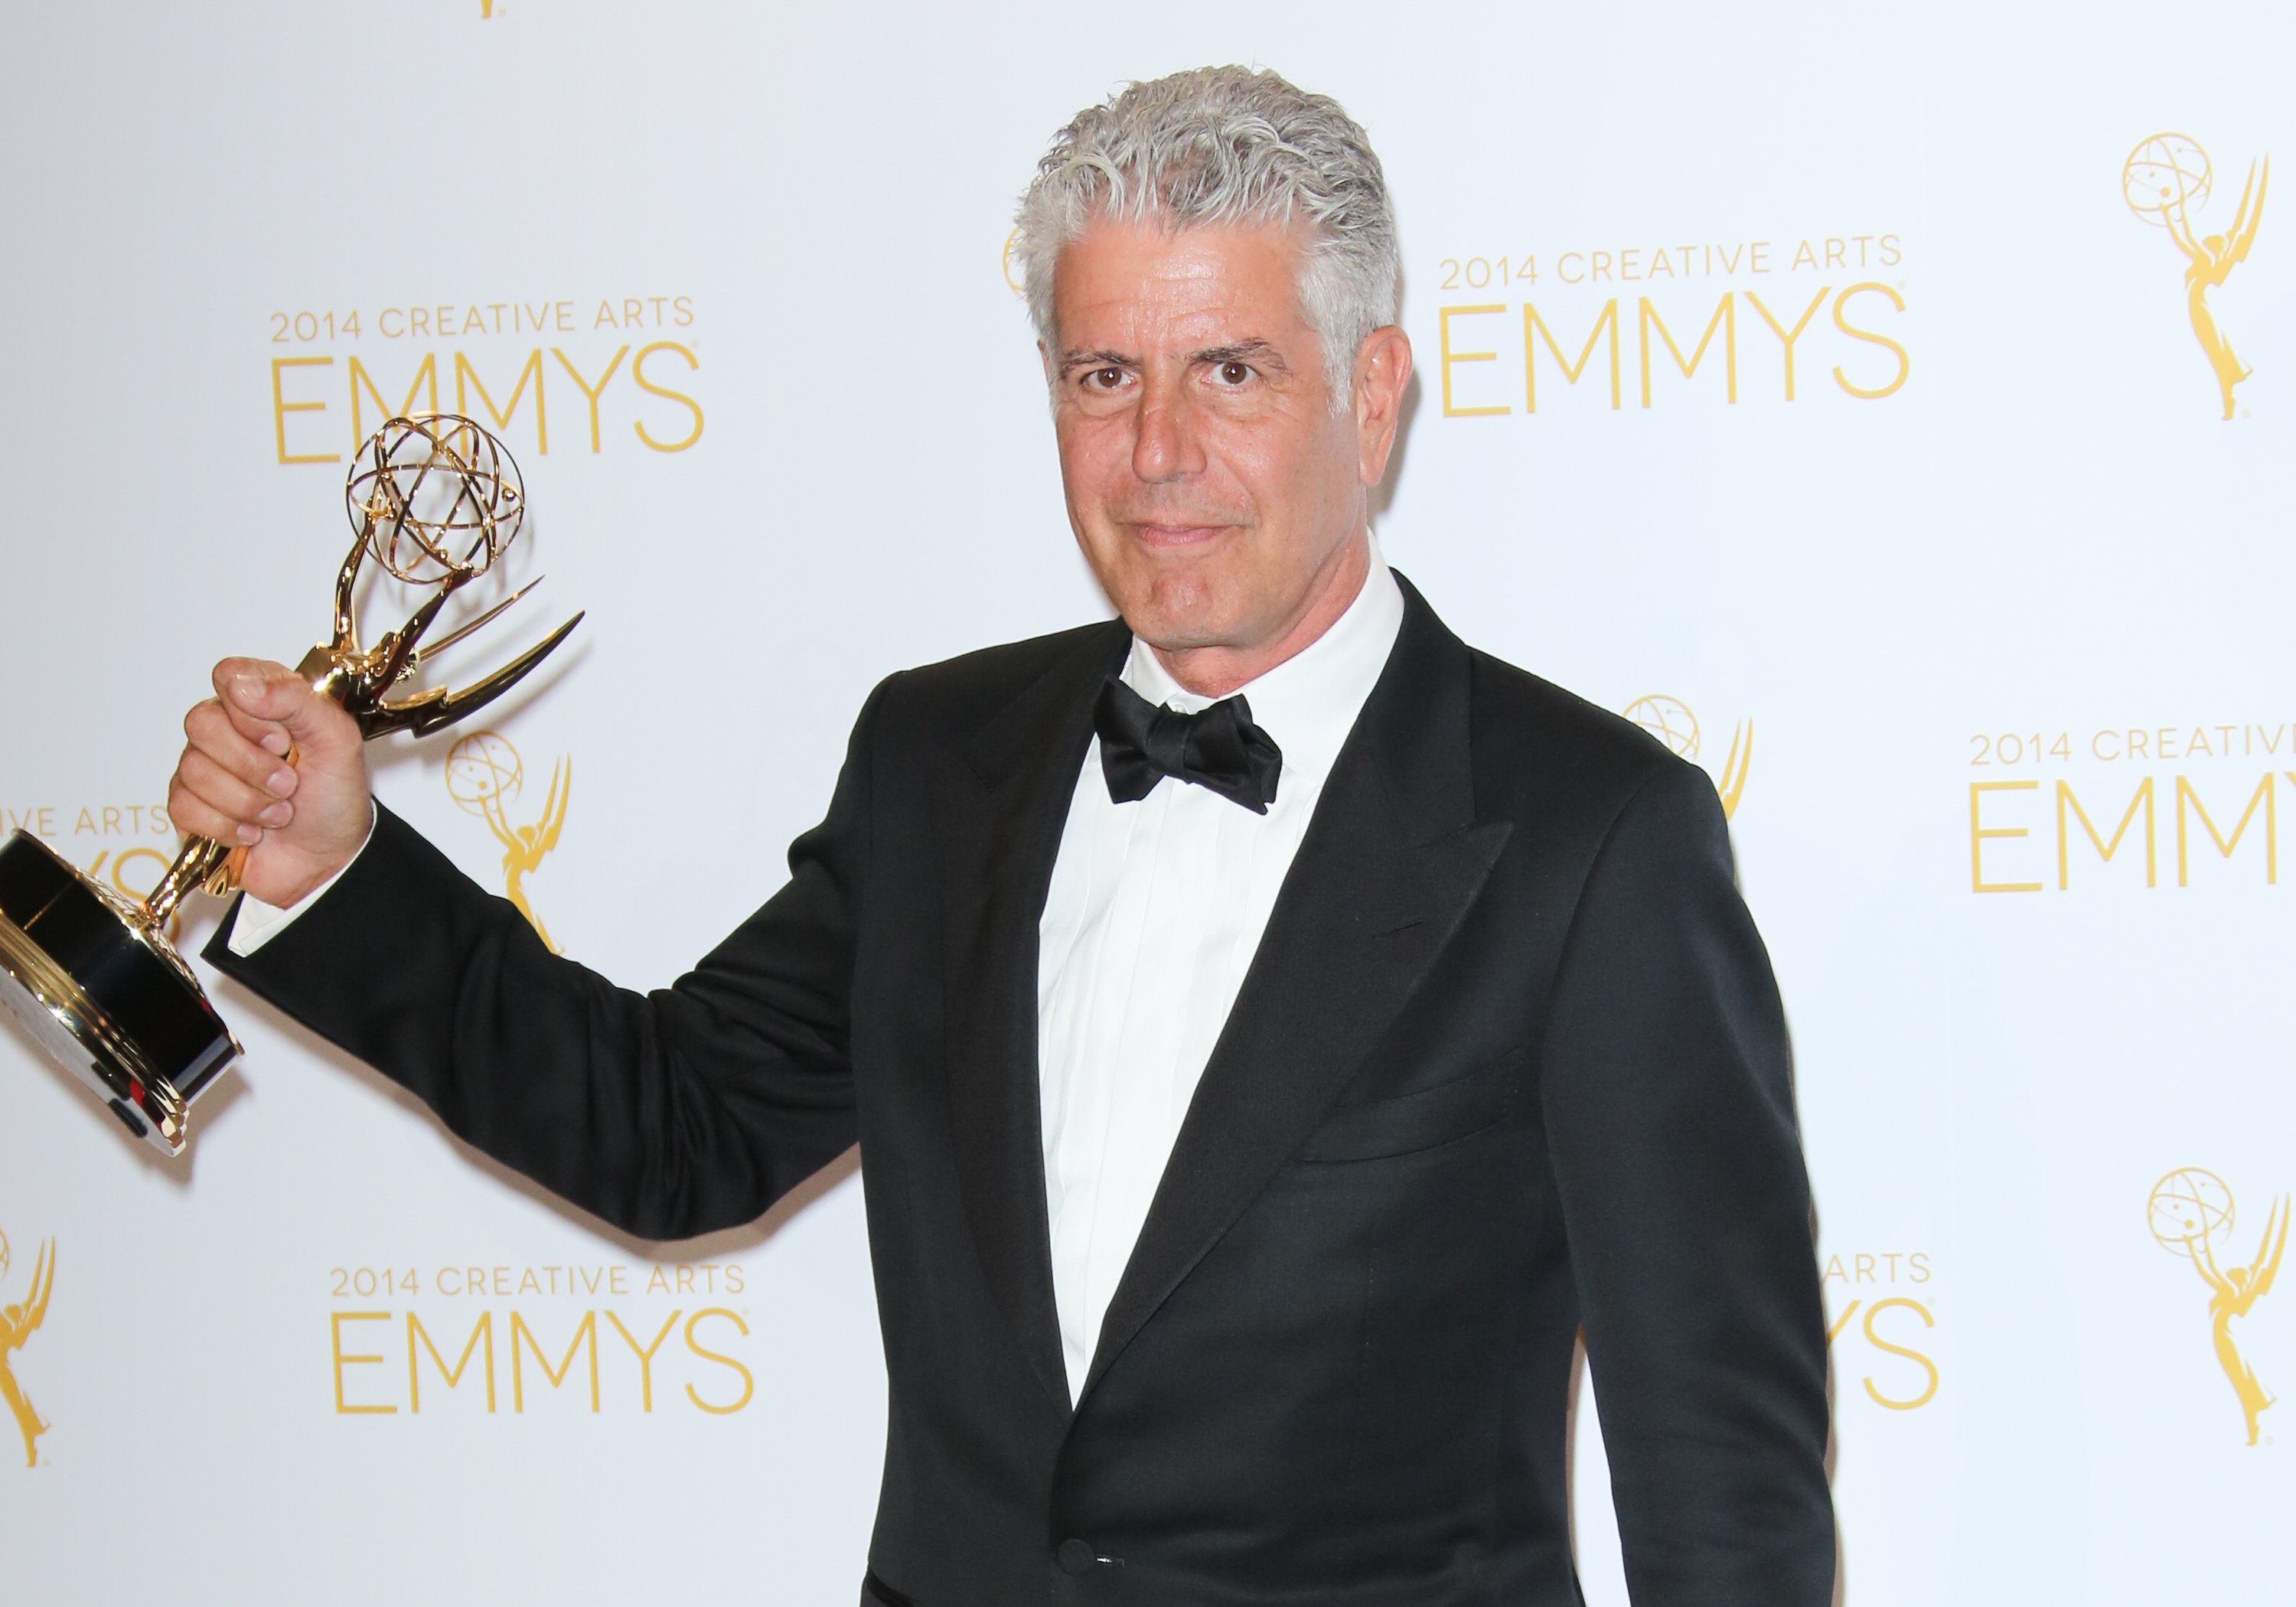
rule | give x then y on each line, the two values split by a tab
1165	536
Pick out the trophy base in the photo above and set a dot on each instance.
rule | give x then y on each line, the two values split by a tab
106	993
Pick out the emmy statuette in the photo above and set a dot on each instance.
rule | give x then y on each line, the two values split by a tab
91	974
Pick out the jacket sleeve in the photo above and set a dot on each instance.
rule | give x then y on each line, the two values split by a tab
671	1113
1668	1100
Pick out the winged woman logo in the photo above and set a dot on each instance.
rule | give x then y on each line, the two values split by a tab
2191	1211
18	1321
2164	179
485	776
1671	721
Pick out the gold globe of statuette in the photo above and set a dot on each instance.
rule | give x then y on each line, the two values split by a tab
2165	176
1669	720
483	768
438	498
2188	1207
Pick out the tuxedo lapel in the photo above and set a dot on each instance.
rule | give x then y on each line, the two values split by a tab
1003	797
1391	861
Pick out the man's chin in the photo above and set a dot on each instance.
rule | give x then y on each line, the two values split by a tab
1178	613
1167	635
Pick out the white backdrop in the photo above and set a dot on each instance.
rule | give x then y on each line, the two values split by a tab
2000	555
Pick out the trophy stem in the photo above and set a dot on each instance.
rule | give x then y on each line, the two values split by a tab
194	867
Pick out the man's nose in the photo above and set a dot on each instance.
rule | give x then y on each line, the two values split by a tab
1164	444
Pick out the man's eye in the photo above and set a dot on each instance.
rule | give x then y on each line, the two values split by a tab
1233	373
1104	379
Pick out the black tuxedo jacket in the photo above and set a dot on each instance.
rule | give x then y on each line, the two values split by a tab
1509	1062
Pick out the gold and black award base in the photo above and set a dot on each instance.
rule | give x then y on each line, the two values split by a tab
94	979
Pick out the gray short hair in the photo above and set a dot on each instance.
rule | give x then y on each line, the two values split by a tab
1226	145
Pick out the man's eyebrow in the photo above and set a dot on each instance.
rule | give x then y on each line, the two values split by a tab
1073	359
1253	350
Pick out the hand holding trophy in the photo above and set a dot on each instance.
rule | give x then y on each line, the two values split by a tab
435	501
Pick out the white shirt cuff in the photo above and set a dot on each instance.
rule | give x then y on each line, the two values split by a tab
259	922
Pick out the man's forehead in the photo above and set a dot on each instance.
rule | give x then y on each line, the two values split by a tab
1193	285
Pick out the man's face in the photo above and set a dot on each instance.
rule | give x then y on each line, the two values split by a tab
1213	488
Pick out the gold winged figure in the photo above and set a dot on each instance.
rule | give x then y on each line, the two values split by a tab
524	847
17	1323
2213	257
2234	1292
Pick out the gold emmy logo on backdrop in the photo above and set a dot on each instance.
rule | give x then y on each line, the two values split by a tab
485	776
17	1323
1671	721
2164	179
1004	265
2191	1211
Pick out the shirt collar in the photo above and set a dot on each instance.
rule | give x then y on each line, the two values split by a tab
1307	703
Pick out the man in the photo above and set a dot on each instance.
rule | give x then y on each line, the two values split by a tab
1272	1028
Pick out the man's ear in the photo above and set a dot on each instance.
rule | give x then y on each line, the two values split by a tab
1383	374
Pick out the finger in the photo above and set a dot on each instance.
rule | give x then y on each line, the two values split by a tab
213	731
242	683
272	735
200	819
267	691
226	793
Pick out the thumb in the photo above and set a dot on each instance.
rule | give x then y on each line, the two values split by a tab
267	698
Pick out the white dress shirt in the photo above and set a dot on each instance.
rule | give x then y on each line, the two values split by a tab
259	922
1154	912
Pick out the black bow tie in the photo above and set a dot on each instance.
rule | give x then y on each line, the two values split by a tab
1219	750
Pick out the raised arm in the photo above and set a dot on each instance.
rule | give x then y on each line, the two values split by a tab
669	1114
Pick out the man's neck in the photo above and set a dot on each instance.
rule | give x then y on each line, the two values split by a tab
1214	671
